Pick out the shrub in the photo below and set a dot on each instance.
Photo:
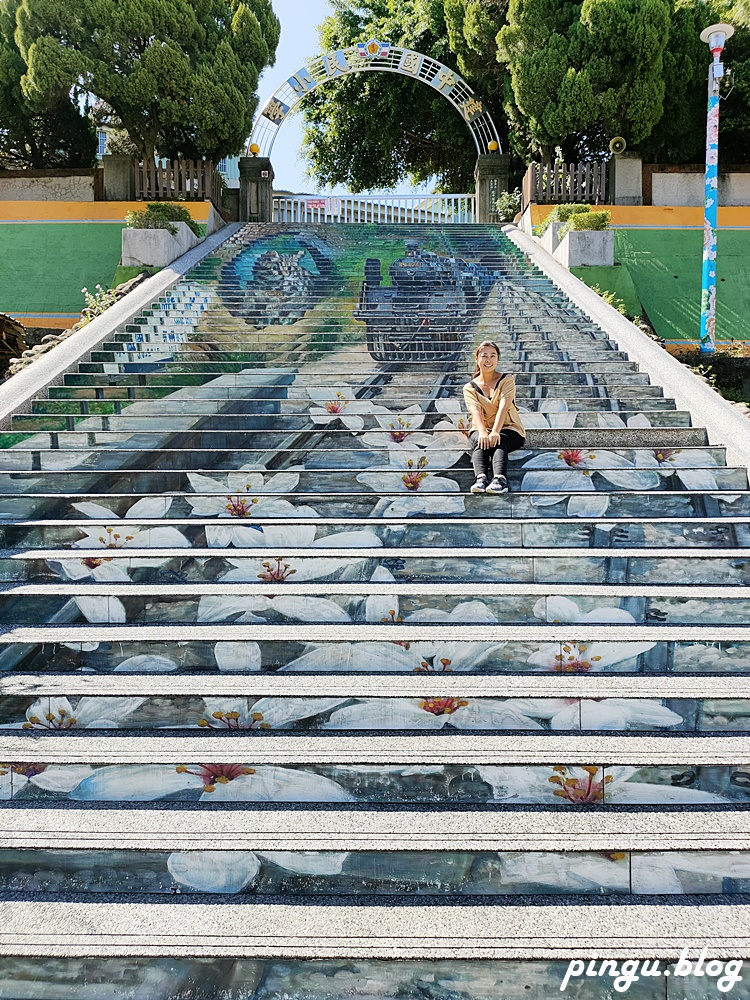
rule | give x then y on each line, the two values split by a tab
97	302
611	299
508	205
595	221
561	213
162	215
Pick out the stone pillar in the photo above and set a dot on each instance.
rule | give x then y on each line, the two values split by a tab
119	177
626	179
491	179
256	189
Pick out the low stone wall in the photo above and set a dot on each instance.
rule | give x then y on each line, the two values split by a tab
586	248
682	186
50	185
688	189
156	247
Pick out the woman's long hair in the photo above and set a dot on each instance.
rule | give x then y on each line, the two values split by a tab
485	343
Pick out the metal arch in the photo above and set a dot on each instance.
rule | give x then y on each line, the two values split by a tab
372	57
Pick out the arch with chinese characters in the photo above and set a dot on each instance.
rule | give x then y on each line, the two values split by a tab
374	57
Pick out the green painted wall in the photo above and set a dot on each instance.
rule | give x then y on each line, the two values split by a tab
665	265
44	265
615	279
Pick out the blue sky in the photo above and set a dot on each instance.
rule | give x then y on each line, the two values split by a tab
299	40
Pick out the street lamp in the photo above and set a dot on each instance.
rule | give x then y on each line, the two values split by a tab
715	36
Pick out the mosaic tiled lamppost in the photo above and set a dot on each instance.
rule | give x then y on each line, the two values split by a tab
715	36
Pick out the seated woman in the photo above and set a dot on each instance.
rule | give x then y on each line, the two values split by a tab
497	429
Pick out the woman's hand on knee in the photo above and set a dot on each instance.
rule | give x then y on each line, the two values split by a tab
494	438
483	439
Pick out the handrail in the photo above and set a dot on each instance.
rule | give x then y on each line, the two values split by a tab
387	208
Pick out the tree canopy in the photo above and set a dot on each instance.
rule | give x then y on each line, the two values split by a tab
554	73
52	133
373	129
180	75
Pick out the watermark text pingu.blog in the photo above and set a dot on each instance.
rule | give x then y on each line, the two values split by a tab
624	974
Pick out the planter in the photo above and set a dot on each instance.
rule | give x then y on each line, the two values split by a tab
587	248
156	247
551	236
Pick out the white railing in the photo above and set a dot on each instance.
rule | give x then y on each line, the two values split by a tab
386	208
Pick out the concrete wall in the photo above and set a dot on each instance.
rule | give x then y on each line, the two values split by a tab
586	248
686	189
156	247
97	211
47	185
551	236
659	216
626	179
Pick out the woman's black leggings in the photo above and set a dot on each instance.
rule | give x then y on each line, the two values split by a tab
494	461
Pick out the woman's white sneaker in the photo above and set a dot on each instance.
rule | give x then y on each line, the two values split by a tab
480	486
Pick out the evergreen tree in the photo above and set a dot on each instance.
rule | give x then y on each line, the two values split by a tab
181	75
594	67
55	133
681	132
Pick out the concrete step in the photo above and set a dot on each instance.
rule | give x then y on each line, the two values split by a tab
204	366
370	876
642	930
145	704
580	533
530	760
344	603
50	493
276	684
231	388
546	656
121	559
148	416
239	406
16	453
345	830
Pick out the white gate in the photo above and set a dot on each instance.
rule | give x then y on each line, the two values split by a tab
387	208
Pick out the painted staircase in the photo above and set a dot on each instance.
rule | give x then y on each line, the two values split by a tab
288	713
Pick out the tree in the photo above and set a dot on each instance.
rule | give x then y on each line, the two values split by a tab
681	132
55	134
586	72
593	67
372	130
473	26
534	45
181	75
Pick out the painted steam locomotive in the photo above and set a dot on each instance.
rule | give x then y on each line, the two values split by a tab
425	312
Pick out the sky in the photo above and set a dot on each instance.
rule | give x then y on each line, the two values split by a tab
299	40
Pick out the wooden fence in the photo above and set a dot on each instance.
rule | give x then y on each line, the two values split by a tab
193	180
557	183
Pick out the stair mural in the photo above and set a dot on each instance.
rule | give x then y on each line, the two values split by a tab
242	570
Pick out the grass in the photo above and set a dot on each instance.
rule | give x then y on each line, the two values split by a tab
126	273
